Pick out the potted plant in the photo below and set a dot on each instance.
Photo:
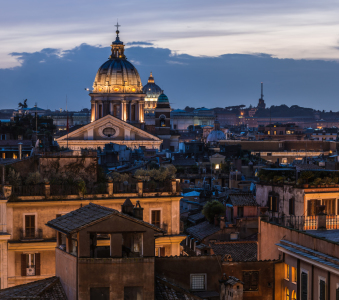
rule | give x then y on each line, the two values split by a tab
327	181
306	176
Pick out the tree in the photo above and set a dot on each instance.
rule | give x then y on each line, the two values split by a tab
23	105
212	209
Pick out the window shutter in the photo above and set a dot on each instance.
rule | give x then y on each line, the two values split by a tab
254	281
322	290
23	264
37	263
247	280
275	204
317	204
337	294
162	251
304	286
270	203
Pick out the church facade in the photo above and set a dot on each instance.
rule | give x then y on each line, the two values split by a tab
117	108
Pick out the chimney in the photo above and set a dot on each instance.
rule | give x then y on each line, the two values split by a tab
222	222
127	207
138	211
321	218
20	151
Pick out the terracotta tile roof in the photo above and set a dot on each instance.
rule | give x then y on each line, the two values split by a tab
48	289
168	291
89	215
196	217
239	251
202	230
242	199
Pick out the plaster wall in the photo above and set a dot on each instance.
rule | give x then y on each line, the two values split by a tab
66	270
116	274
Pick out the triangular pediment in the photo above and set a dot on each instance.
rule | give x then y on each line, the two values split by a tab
109	128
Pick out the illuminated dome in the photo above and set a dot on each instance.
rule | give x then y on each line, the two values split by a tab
151	89
117	75
216	134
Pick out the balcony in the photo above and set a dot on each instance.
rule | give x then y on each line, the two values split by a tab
31	234
304	223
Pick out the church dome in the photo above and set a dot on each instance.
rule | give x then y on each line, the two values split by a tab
117	75
163	98
151	89
216	134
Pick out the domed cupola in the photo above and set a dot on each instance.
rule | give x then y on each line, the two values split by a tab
152	92
117	75
151	89
163	101
216	134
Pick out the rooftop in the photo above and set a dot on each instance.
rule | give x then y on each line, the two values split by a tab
239	251
168	291
48	289
242	200
89	215
203	230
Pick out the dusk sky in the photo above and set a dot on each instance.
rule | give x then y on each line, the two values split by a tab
202	53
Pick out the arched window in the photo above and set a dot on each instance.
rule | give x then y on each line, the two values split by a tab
162	120
294	295
287	294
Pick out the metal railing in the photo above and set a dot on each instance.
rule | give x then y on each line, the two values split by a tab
31	234
159	186
29	190
304	222
63	190
122	187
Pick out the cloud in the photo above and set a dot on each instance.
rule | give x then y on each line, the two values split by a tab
139	44
187	80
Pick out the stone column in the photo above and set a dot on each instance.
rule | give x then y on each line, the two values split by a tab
137	112
111	108
174	186
47	190
130	111
110	188
140	188
7	190
96	111
121	111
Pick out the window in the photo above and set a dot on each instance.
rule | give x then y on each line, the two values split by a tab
269	154
291	206
30	226
198	282
132	293
3	137
99	293
275	132
156	217
30	264
287	272
312	207
294	276
273	203
287	294
294	295
100	111
330	206
3	155
240	211
251	280
304	285
284	160
322	289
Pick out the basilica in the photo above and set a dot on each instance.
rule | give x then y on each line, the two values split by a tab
119	107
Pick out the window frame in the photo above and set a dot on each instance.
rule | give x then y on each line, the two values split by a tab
205	281
35	214
320	278
287	274
161	218
307	273
250	283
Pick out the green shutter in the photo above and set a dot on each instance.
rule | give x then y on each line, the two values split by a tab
304	279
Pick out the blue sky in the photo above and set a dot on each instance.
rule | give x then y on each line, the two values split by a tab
203	53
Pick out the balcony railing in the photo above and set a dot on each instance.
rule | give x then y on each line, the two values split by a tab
31	234
304	222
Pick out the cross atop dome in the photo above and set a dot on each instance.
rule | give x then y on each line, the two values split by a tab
117	46
117	26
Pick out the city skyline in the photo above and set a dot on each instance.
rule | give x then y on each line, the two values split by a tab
281	44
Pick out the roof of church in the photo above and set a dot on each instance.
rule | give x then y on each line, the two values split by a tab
151	89
88	215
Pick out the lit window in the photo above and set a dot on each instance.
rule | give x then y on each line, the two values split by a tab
287	294
287	272
198	282
294	295
294	276
217	166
